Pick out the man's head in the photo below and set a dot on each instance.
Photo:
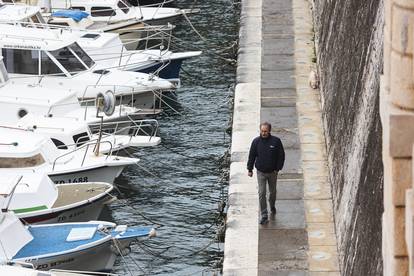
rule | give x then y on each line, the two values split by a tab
265	129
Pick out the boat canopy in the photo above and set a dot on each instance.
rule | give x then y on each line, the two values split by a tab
74	14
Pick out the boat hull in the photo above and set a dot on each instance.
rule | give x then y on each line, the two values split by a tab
98	174
85	212
129	35
170	72
98	258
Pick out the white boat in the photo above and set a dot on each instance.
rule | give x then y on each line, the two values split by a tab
109	15
16	101
34	198
113	11
109	52
52	58
107	49
69	133
89	246
24	151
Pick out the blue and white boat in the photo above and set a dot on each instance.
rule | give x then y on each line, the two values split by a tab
90	246
25	270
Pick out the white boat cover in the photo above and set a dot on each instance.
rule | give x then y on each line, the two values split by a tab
13	236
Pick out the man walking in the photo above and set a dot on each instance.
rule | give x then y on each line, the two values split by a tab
268	156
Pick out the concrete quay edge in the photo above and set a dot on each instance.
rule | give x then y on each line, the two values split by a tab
241	242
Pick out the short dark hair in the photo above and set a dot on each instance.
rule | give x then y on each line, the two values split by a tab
269	125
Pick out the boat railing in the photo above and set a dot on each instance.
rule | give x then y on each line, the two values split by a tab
86	148
132	128
41	26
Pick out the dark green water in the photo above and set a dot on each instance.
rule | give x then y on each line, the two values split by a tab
186	176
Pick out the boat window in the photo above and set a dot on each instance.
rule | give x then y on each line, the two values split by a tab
34	19
91	36
21	61
81	138
102	11
123	7
48	66
82	54
24	162
78	8
65	24
68	60
59	144
37	18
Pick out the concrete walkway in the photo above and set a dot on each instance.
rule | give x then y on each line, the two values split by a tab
272	85
283	242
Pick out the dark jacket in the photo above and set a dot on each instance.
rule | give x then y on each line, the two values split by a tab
267	154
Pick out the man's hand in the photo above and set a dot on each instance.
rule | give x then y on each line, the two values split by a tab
250	174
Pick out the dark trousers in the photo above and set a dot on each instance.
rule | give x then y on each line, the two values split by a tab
264	179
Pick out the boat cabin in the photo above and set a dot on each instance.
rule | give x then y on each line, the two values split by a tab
10	12
33	51
101	10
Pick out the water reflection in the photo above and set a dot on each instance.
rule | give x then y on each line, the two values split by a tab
184	179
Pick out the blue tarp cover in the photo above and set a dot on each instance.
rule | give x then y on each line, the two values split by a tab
74	14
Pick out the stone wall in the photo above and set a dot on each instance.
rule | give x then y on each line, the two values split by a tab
348	38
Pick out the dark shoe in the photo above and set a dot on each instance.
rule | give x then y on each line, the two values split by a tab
273	210
264	220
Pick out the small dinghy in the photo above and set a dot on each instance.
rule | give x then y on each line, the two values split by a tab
89	246
34	198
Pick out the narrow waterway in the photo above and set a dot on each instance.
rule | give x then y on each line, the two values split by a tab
180	183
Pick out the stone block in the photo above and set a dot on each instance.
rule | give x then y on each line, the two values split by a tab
323	258
318	211
321	234
315	168
409	225
387	17
394	231
397	179
398	130
402	29
311	135
324	273
241	255
407	4
398	266
313	152
289	189
241	140
317	189
401	81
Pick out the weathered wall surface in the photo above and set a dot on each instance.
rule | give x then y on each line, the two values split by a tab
348	35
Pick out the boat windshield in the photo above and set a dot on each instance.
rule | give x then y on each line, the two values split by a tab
102	12
23	162
21	61
73	58
123	6
37	18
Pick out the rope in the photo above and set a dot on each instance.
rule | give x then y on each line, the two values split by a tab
192	27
